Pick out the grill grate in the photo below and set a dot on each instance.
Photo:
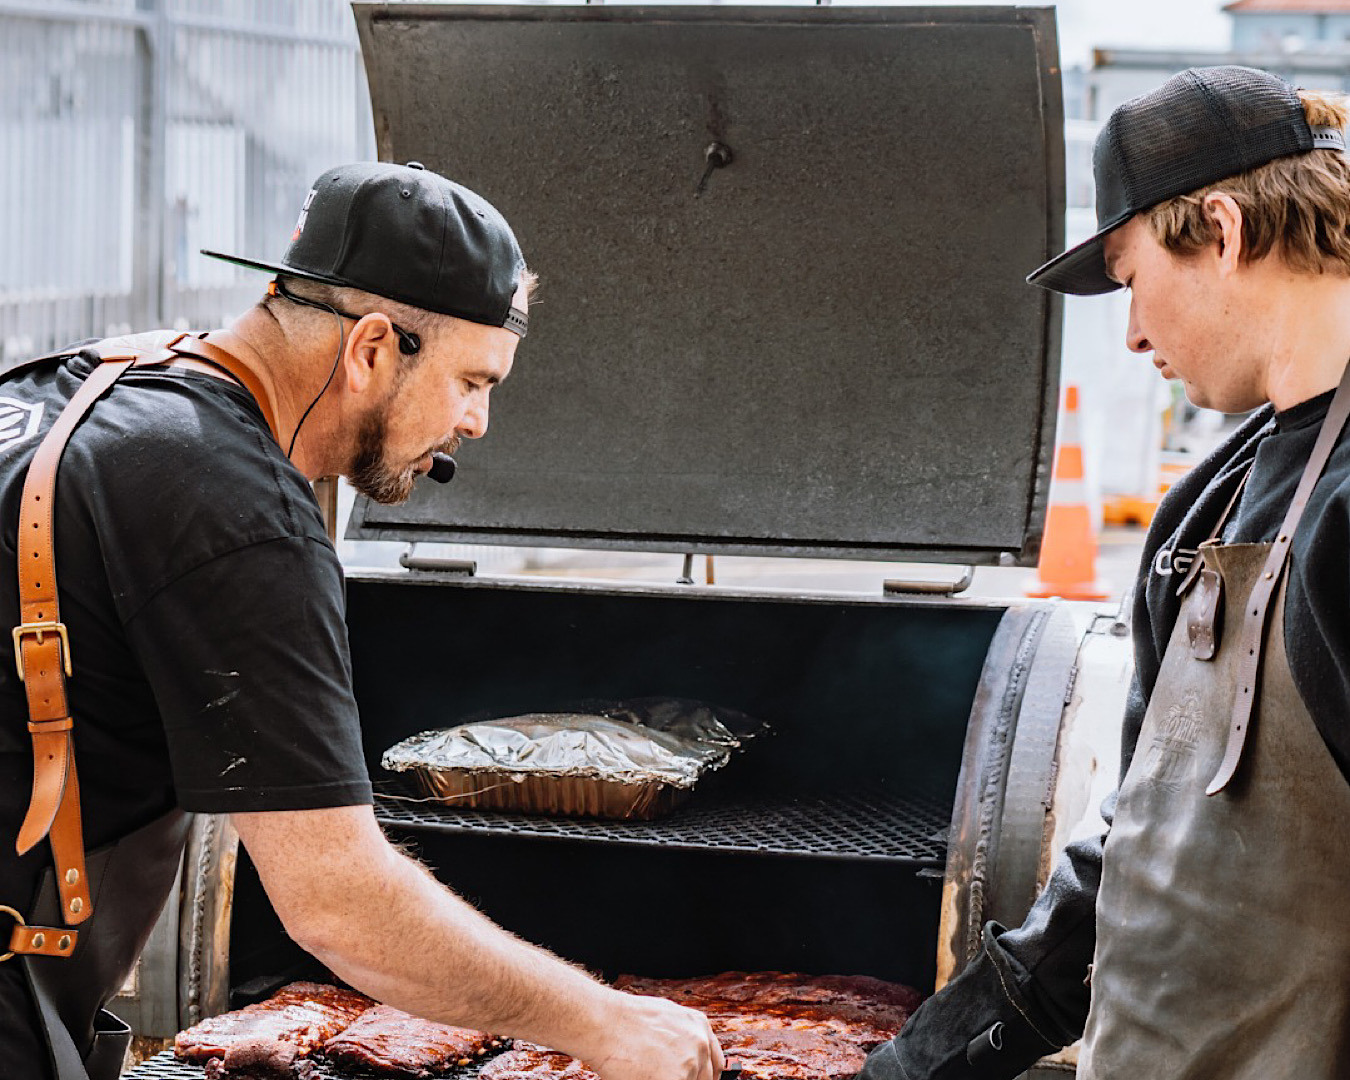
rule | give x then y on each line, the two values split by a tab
877	824
165	1066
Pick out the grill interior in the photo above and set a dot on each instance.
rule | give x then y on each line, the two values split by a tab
819	848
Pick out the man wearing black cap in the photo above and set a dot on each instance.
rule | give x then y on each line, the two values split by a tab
194	656
1205	935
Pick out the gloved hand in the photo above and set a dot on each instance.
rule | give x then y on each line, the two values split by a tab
936	1044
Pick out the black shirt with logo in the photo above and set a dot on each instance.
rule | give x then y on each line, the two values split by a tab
205	610
1033	979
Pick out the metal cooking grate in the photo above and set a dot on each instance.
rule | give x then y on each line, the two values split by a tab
875	824
166	1067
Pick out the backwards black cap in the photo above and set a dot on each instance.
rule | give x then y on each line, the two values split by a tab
408	234
1198	128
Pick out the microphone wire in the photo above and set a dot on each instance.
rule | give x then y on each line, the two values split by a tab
342	344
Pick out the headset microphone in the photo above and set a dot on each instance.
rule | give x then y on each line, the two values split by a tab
442	468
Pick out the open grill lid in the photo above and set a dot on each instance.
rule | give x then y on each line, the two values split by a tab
824	346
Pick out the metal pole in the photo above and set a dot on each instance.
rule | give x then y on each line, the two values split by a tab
148	248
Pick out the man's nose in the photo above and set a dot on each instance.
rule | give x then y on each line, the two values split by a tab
1135	339
474	423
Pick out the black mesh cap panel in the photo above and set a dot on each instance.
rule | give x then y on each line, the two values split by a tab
1201	127
1198	128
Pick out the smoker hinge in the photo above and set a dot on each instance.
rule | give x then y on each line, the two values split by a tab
896	586
687	573
409	561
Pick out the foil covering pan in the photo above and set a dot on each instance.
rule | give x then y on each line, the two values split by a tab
574	764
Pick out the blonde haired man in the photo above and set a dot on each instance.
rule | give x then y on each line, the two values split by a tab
1204	935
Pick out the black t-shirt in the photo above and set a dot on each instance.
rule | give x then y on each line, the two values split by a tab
204	604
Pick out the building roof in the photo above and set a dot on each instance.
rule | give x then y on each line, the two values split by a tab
1305	7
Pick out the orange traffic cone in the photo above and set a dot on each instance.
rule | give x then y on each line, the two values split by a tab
1069	547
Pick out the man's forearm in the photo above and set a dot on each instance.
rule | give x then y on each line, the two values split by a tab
381	922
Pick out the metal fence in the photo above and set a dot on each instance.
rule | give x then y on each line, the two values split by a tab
134	132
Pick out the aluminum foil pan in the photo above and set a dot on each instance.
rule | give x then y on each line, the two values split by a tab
569	763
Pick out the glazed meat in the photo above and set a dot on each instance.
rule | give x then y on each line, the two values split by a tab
270	1039
529	1062
778	988
851	1024
792	1055
389	1042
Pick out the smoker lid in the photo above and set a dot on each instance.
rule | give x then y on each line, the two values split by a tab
824	347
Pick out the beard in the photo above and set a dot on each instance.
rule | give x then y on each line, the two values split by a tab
373	474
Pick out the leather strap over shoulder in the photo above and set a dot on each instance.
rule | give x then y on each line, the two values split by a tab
214	355
42	655
1257	614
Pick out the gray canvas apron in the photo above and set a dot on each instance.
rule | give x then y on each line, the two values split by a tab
1223	920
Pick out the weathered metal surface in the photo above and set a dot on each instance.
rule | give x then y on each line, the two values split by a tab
973	864
823	346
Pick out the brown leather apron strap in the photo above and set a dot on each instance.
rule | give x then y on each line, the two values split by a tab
1258	604
43	659
229	363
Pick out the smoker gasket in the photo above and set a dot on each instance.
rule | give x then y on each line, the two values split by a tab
870	824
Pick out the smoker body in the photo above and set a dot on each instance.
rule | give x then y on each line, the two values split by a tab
783	313
929	757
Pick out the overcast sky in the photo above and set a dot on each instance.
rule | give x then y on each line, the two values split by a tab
1165	24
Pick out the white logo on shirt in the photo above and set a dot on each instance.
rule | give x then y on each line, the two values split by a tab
18	421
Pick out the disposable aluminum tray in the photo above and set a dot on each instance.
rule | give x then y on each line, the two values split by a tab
874	824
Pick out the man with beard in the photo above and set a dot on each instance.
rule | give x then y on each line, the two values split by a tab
200	628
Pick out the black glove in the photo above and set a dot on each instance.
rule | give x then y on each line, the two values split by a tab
979	1027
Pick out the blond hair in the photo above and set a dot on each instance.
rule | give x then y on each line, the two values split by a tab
1296	206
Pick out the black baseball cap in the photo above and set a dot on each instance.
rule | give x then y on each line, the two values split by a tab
408	234
1198	128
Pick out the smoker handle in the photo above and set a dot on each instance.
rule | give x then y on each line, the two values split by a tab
892	586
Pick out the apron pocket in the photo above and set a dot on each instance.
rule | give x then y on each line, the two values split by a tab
112	1038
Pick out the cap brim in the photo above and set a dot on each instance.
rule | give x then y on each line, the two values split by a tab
1080	271
275	268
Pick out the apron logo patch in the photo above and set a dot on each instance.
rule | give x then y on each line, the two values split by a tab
18	421
1170	761
1174	561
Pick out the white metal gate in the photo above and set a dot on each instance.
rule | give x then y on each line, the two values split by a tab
134	132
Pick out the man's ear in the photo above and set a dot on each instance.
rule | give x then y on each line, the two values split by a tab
371	358
1225	219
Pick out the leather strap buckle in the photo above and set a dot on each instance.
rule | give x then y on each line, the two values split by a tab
40	628
19	921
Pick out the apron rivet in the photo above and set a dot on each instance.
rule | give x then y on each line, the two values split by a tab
63	942
1270	574
76	906
38	940
72	876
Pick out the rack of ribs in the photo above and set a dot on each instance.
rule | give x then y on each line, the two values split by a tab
530	1062
778	988
388	1042
854	1025
273	1038
788	1026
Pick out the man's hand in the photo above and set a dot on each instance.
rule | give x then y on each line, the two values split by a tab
654	1039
